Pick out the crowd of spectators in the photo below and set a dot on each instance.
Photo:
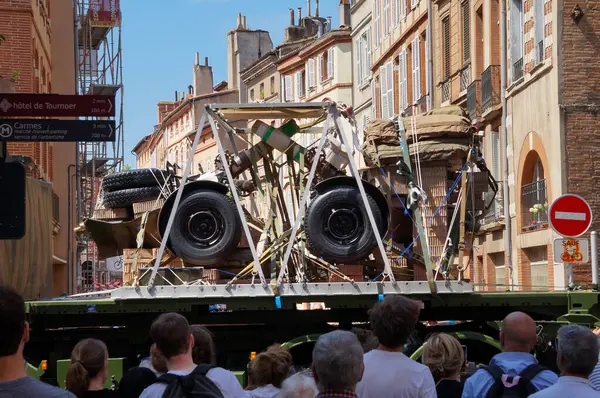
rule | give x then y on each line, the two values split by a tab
359	363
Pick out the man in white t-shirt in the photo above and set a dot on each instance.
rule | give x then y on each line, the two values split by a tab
388	372
173	338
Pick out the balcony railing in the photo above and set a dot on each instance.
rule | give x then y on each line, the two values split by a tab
421	105
465	77
539	51
517	70
534	206
495	212
490	88
408	111
474	99
446	90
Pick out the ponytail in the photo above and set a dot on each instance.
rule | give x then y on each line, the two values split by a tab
78	379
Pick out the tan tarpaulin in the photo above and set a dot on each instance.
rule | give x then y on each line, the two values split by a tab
26	264
265	112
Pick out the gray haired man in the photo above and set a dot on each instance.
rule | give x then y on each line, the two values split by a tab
337	364
578	349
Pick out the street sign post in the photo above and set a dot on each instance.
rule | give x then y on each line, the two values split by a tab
571	250
46	130
570	216
52	105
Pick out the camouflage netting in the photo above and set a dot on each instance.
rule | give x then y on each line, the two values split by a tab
443	135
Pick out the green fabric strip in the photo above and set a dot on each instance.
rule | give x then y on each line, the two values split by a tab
268	134
289	128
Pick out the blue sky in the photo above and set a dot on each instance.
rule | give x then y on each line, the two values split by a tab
160	39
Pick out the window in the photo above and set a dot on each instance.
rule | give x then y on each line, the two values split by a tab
289	96
252	95
500	269
311	73
446	44
495	144
373	99
299	88
272	84
262	91
516	38
416	69
538	11
386	77
402	9
330	63
466	39
320	68
413	4
386	18
402	81
538	261
377	10
426	69
397	12
363	56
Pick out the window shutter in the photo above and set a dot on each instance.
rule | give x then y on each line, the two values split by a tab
330	63
413	4
495	138
373	99
282	89
403	103
396	12
402	9
319	69
359	56
466	15
386	18
446	35
416	49
311	72
426	70
390	88
298	86
369	52
377	8
539	29
383	90
289	95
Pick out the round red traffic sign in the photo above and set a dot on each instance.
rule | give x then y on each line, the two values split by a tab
570	216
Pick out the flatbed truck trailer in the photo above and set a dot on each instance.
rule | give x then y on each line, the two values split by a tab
287	301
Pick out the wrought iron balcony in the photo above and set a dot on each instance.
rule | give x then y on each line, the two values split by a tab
490	88
517	70
474	99
534	206
408	111
495	204
465	77
446	90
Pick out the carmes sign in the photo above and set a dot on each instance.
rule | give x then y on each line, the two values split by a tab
57	130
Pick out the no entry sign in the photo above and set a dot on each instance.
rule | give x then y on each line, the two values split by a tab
570	216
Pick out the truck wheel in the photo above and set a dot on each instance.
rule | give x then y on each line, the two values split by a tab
127	197
337	225
134	179
206	228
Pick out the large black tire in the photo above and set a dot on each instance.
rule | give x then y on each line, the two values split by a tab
127	197
338	228
138	178
206	228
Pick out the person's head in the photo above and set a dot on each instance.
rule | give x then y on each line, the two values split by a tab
89	360
204	347
159	363
393	319
578	349
518	333
366	338
299	386
172	335
135	381
272	366
444	356
337	361
14	332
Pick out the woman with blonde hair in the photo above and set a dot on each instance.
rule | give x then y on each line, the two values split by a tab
444	356
89	370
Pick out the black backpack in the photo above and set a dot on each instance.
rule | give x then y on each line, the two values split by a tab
506	386
194	385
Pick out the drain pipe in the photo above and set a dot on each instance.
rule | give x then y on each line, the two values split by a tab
429	50
503	79
69	229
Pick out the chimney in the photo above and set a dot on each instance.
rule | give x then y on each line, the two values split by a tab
191	89
176	96
317	9
309	6
244	22
329	24
299	15
292	19
202	78
197	59
239	21
345	13
205	61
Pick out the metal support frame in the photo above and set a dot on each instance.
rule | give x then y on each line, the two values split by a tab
417	212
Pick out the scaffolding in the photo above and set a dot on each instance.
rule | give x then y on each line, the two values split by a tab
100	72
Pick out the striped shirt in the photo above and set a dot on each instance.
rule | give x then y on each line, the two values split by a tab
595	377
